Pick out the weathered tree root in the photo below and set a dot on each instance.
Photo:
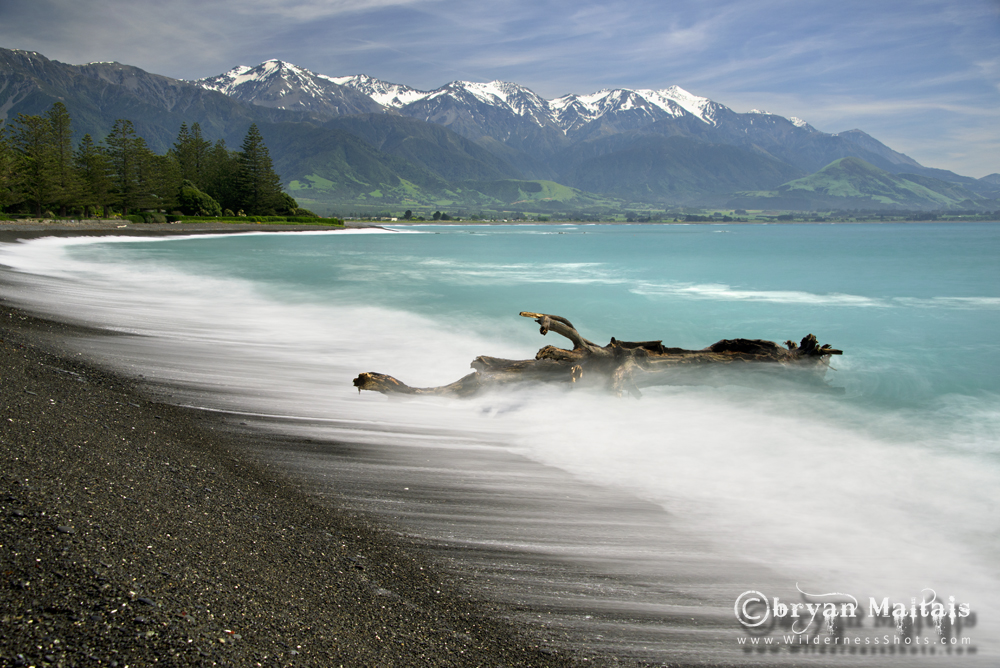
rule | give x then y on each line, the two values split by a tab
623	366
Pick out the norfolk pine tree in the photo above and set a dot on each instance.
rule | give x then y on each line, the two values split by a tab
221	167
32	143
259	187
182	152
66	183
125	150
199	152
158	180
94	167
9	178
191	151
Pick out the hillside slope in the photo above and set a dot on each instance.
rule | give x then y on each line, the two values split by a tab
852	183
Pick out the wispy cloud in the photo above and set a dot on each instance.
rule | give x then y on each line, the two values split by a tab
307	10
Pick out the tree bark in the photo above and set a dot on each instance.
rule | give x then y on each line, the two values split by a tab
624	366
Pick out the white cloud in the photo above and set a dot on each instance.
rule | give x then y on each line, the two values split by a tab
310	10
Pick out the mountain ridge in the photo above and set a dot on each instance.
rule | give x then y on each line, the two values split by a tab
529	126
377	142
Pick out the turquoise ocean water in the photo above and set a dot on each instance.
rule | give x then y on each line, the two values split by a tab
888	488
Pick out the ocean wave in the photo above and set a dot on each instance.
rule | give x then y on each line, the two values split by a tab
461	272
722	292
815	487
974	303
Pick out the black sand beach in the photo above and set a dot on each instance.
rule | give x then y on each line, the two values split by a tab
138	533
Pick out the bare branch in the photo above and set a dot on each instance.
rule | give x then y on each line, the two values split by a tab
560	325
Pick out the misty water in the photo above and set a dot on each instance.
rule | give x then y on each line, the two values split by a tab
628	524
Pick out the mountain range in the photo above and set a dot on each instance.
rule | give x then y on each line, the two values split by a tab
354	142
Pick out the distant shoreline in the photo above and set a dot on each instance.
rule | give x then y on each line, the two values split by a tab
33	228
30	229
386	223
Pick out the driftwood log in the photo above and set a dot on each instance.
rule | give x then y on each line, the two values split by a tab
624	366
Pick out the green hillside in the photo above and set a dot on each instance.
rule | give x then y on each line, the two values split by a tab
339	164
378	161
854	183
321	194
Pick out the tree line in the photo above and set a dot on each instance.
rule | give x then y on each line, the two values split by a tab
41	171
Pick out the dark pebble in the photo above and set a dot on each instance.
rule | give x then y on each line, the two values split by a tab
262	563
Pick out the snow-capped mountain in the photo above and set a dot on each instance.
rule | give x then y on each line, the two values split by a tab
516	99
797	122
572	112
281	85
385	93
527	130
509	97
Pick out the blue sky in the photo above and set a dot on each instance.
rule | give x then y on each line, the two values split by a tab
922	76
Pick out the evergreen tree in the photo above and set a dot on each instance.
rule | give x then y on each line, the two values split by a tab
66	182
32	142
199	154
221	167
192	152
9	177
125	152
158	179
258	186
38	166
94	168
182	152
